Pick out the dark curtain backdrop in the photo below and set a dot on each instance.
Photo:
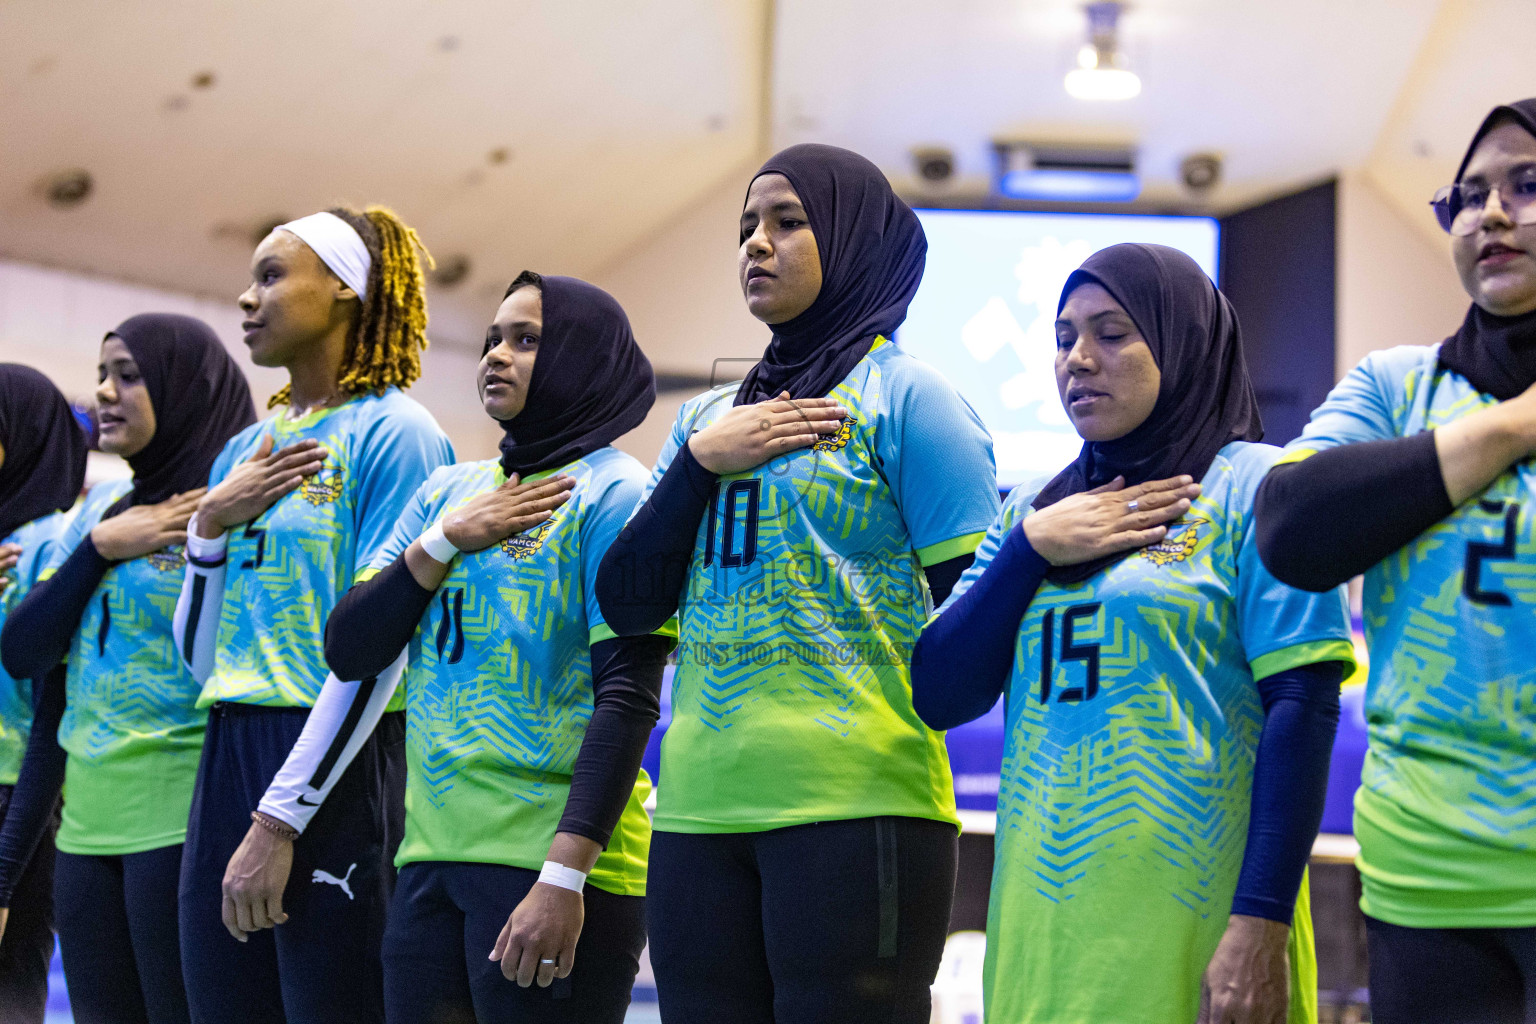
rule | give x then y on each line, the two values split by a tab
1277	267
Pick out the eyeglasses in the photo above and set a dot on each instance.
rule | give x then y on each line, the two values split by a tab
1459	208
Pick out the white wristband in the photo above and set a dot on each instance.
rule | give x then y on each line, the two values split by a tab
562	876
436	545
203	549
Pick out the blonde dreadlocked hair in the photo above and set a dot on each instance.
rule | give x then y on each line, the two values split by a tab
387	340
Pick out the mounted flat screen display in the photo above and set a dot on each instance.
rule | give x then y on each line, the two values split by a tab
984	315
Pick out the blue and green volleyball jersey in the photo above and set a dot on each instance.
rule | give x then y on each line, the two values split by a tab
287	568
1132	727
499	683
35	539
132	730
1446	810
792	698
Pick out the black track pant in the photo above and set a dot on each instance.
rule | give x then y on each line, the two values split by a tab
1452	975
117	931
322	966
839	922
28	944
443	922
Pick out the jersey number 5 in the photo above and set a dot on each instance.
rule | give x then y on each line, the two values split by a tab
1071	650
451	625
738	540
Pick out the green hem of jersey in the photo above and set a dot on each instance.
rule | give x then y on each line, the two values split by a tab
632	889
1458	910
700	826
208	700
1416	874
366	575
943	551
1311	653
601	632
118	849
1294	455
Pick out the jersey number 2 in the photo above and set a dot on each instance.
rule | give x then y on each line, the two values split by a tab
1479	552
738	540
1071	650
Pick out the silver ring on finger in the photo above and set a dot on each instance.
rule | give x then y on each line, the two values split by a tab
1133	505
551	962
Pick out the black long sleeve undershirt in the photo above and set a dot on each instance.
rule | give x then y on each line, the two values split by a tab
373	622
1290	786
626	704
39	629
963	658
641	578
1328	518
38	784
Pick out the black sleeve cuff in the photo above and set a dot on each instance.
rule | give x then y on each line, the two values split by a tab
39	629
1328	518
373	622
641	579
626	699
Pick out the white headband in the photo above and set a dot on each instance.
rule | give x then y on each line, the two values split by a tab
338	245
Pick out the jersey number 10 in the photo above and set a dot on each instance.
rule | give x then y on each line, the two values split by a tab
738	526
1071	650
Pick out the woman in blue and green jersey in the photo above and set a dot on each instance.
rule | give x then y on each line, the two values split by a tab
1417	472
296	509
525	837
801	524
123	733
42	467
1170	705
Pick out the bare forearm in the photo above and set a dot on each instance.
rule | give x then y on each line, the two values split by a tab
427	571
1475	450
574	851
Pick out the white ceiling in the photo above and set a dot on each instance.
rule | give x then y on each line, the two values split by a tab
618	117
1287	92
615	116
1461	73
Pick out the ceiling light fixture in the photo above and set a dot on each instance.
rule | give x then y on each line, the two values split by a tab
1101	73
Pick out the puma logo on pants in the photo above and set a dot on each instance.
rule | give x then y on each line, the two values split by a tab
330	879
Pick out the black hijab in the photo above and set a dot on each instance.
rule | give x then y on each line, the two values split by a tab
591	384
1205	399
45	448
872	255
1497	354
200	398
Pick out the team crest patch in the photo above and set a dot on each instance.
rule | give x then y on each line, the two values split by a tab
323	487
167	560
1178	545
529	542
835	441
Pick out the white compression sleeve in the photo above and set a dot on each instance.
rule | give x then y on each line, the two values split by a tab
195	625
339	724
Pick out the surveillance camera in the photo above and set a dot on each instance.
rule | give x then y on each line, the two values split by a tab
450	270
1200	172
66	189
934	164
